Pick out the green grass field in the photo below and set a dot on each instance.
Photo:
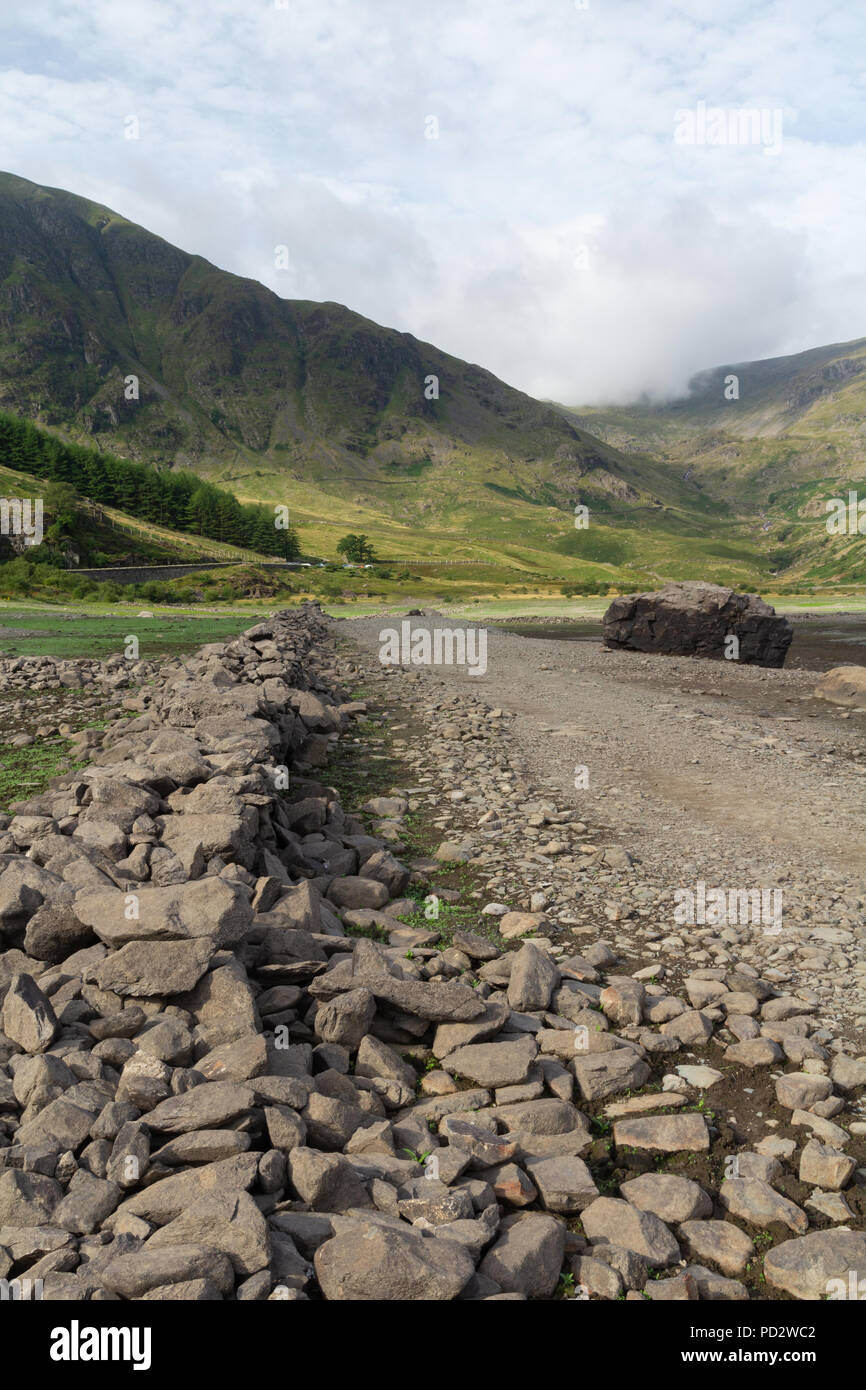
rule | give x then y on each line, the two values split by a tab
68	632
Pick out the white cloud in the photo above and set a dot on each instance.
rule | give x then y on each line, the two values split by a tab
305	126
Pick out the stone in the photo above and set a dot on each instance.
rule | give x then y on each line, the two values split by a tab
346	1019
715	1287
695	619
375	1058
848	1072
200	1146
843	685
755	1202
533	979
611	1221
754	1052
160	1202
437	1204
353	891
527	1256
226	1221
375	1263
27	1199
438	1002
494	1063
383	867
623	1001
242	1060
88	1201
663	1133
595	1277
606	1073
513	924
55	931
509	1183
449	1036
677	1287
27	1016
331	1122
825	1129
825	1166
325	1181
564	1184
797	1090
143	969
671	1198
207	908
204	1107
485	1147
135	1274
693	1028
720	1242
287	1129
817	1266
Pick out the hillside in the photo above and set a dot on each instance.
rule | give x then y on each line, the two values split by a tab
792	440
314	406
103	535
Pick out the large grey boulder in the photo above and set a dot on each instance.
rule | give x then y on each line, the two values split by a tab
696	619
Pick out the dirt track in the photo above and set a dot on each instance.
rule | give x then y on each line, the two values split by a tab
706	770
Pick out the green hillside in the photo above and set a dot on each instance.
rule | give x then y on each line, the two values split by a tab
314	407
792	440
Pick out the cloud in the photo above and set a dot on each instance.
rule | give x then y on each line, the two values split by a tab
306	126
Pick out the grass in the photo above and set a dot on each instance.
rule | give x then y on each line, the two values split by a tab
74	632
25	772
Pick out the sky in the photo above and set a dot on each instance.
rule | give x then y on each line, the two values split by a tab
571	193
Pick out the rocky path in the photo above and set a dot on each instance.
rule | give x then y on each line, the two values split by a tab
702	771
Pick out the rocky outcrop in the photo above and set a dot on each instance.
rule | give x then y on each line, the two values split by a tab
697	619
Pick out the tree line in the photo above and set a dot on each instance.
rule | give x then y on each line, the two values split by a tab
176	499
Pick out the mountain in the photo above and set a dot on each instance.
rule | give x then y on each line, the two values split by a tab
776	439
316	407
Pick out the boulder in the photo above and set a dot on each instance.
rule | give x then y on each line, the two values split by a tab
696	619
844	685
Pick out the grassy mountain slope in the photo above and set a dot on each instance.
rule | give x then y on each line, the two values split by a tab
314	406
794	438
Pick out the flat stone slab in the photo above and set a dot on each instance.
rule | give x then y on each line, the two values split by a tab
663	1133
822	1265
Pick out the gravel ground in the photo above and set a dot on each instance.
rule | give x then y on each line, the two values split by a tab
704	772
